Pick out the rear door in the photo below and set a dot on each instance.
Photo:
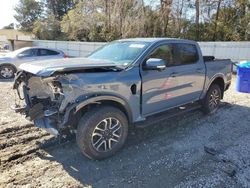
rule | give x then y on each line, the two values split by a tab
190	72
181	82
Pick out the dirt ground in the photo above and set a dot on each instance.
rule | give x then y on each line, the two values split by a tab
188	151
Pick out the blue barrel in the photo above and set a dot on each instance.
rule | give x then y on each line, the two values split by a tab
243	78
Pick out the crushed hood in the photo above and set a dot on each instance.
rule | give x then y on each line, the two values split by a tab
48	67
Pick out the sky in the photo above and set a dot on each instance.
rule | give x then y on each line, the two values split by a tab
7	12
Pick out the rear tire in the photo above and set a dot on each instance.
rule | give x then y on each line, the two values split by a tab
7	71
102	132
211	102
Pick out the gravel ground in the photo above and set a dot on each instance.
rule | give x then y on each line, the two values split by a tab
188	151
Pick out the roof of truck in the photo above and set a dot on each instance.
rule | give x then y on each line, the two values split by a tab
152	40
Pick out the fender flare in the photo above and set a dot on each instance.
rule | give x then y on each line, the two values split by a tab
214	78
210	81
78	106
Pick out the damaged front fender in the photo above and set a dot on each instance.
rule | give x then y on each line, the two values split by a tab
53	102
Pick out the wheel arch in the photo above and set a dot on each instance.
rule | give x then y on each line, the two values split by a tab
77	110
219	80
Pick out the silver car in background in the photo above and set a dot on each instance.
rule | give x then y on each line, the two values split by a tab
12	60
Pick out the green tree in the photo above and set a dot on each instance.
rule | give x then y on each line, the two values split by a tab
74	24
83	23
242	8
48	28
27	12
58	8
106	20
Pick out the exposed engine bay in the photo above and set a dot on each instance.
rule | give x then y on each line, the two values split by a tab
49	101
45	99
42	99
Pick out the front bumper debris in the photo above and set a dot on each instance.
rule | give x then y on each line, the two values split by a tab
43	116
19	109
45	123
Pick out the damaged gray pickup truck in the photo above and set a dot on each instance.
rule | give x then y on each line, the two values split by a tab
121	84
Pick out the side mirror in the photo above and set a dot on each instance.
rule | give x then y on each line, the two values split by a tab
155	64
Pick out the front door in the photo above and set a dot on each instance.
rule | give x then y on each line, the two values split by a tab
181	82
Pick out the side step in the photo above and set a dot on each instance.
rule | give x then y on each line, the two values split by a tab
168	114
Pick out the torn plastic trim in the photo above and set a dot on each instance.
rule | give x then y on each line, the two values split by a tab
19	109
34	108
50	112
44	123
22	109
20	77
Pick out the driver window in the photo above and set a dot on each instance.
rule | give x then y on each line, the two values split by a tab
164	52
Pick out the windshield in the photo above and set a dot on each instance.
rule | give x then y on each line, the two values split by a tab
120	52
16	52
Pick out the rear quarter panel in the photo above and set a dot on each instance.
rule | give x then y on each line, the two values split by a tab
217	69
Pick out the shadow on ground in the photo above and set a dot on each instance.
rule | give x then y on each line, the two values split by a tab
162	155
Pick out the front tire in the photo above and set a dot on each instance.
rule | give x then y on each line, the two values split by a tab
211	102
102	132
7	71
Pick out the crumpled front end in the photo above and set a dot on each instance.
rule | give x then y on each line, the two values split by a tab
51	90
42	100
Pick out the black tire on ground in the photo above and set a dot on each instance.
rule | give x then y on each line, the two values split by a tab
211	102
7	71
102	124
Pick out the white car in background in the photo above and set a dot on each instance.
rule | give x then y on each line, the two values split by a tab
10	62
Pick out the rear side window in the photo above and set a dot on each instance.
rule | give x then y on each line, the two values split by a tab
164	52
28	53
186	54
45	52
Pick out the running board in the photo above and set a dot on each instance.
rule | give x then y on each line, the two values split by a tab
151	120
